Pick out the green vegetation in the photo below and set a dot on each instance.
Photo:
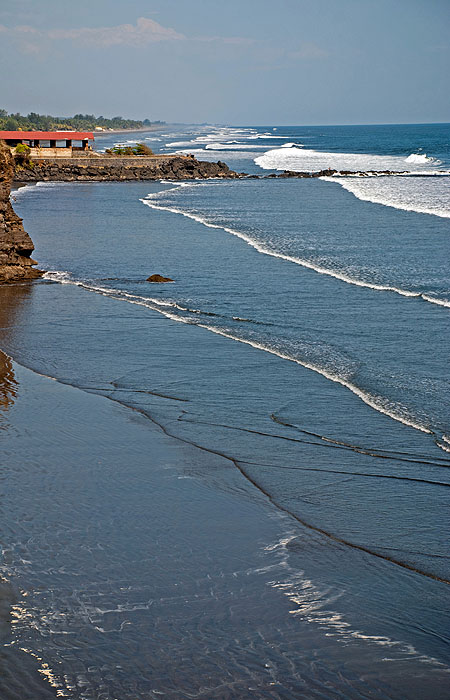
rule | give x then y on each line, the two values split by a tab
139	150
22	157
22	150
79	122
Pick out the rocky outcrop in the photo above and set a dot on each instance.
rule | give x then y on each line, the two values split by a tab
100	167
329	173
158	278
15	244
122	169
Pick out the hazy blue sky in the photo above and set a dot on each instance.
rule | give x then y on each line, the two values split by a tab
233	61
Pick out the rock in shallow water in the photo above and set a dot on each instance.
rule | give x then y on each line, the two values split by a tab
158	278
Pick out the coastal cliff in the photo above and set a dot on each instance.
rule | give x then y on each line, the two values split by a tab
119	169
15	244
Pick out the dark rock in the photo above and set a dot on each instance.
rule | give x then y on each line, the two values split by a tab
15	244
148	168
158	278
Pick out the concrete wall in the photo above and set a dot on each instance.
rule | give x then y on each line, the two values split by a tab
50	153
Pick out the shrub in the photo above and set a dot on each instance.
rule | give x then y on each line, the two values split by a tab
22	149
22	155
141	149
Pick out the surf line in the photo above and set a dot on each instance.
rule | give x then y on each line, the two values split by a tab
149	201
366	398
154	306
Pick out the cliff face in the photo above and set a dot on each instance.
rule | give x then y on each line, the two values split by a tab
15	244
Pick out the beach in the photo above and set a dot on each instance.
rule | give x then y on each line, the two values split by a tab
234	484
143	130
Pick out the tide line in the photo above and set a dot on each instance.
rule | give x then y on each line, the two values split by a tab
289	258
159	306
368	399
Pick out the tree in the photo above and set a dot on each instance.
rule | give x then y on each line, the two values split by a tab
11	124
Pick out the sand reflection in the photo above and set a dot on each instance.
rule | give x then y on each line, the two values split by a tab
12	297
8	383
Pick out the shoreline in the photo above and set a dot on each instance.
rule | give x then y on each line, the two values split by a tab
145	511
143	129
162	489
143	445
143	564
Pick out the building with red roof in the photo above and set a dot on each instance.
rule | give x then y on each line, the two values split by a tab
49	143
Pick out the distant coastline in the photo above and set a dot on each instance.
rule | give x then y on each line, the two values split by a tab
78	122
142	129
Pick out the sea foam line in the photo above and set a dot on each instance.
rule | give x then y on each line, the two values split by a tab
313	605
348	184
157	305
289	258
367	398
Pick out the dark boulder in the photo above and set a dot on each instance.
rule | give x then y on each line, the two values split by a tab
158	278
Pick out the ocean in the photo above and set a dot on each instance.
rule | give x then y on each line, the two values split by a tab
296	369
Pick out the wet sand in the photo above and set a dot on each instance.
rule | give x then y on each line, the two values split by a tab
140	565
109	534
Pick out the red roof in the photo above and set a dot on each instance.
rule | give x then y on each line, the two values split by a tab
47	135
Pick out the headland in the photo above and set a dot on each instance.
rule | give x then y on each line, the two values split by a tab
117	168
16	245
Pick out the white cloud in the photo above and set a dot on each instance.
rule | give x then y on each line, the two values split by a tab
145	31
309	50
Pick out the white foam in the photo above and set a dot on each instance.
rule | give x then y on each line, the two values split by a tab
32	187
164	306
372	401
435	300
266	136
306	159
423	195
261	248
419	158
232	146
179	143
314	604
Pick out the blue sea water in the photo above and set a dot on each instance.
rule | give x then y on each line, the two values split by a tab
305	339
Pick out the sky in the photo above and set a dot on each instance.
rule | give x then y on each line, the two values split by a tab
242	62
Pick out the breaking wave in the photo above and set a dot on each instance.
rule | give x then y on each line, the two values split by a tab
423	195
291	157
151	201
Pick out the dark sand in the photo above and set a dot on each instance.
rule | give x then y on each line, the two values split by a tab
140	566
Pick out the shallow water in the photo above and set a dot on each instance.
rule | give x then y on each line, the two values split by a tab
303	349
